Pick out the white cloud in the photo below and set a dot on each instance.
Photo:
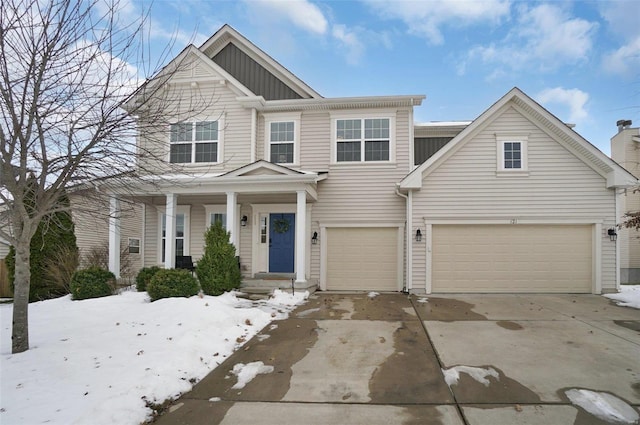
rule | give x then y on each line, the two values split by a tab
544	36
574	99
426	18
301	13
349	39
625	60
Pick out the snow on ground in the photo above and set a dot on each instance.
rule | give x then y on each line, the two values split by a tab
373	294
629	296
97	361
605	406
246	372
452	375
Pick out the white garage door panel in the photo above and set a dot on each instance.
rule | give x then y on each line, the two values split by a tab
513	258
362	259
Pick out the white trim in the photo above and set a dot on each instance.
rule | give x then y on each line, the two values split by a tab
597	239
300	260
114	236
619	206
129	239
270	118
181	209
254	133
364	115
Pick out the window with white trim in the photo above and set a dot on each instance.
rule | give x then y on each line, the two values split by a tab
282	142
194	142
134	246
182	232
363	140
512	154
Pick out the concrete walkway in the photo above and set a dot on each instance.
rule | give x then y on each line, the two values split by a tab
352	359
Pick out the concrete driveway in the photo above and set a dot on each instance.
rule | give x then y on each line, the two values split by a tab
352	359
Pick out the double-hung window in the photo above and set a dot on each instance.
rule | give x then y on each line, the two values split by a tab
512	154
282	142
363	140
194	142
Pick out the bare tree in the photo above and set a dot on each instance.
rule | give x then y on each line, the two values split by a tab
67	68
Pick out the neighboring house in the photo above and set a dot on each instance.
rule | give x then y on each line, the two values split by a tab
330	190
625	149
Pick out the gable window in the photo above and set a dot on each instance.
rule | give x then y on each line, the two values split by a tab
512	154
363	140
282	142
194	142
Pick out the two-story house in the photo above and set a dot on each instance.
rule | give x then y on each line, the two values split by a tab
350	194
625	149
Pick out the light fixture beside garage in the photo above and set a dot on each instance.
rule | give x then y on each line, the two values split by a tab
314	238
612	234
418	236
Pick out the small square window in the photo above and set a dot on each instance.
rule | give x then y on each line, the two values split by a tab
134	246
512	155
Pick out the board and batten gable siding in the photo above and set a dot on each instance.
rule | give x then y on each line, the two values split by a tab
214	100
253	75
365	193
559	186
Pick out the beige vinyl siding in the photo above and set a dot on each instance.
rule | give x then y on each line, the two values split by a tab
559	186
315	136
91	220
362	193
210	100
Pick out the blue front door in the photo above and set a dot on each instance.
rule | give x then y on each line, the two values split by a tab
281	242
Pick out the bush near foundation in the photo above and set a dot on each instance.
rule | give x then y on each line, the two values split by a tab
218	269
172	283
93	282
144	277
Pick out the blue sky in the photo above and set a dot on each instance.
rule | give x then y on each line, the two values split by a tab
579	59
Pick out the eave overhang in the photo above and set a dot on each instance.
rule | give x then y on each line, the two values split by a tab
336	103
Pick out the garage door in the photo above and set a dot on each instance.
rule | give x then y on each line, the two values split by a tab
363	258
514	258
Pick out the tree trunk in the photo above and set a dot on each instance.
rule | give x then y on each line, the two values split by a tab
22	280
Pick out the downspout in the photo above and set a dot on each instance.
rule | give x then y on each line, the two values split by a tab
254	136
408	249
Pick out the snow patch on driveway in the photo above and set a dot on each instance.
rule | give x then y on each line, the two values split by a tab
604	406
452	375
629	296
246	372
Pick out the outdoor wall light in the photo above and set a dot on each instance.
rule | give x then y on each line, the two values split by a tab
612	234
314	238
243	221
418	236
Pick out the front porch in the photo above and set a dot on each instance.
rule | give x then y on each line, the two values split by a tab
266	208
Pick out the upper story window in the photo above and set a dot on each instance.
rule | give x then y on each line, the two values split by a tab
512	153
194	142
282	138
282	142
363	140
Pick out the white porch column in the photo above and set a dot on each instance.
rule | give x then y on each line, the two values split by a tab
301	229
232	200
170	231
114	236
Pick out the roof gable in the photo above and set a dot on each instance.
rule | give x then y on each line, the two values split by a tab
262	167
616	175
243	57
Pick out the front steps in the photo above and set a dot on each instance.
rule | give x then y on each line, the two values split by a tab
262	285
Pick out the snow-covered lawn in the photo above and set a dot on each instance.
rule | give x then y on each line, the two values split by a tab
101	361
629	296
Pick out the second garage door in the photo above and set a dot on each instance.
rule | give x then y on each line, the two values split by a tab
512	258
363	259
